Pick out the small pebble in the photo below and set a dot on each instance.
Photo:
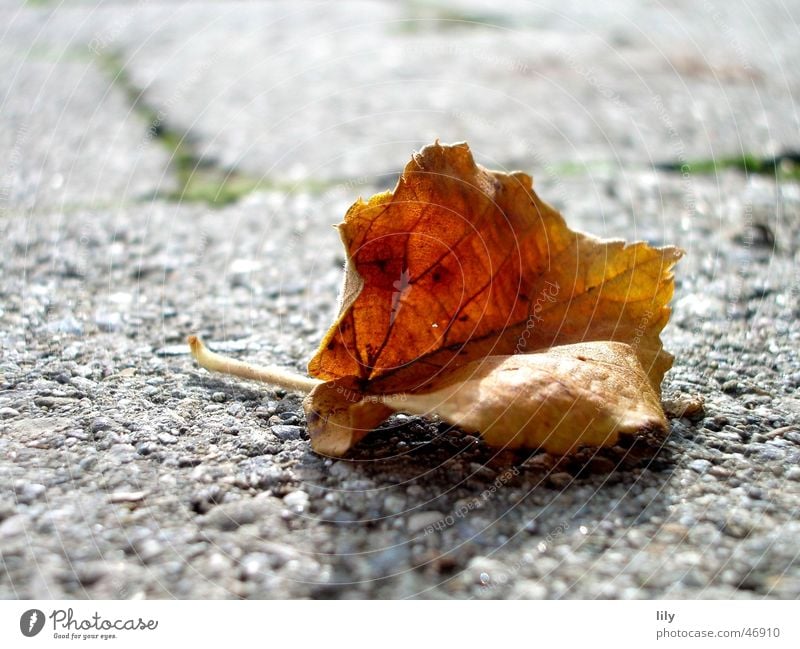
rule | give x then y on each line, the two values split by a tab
14	526
148	549
560	480
700	466
29	492
68	325
254	565
296	501
85	385
145	449
173	350
284	432
108	322
8	413
87	463
420	520
127	496
394	504
100	424
340	469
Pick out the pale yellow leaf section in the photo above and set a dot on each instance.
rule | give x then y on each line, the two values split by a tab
582	395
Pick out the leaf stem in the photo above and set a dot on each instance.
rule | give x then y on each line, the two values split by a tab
214	362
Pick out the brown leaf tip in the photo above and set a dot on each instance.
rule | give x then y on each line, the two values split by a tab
195	344
441	156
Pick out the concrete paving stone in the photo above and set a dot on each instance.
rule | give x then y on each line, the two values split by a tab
341	91
99	286
70	137
215	505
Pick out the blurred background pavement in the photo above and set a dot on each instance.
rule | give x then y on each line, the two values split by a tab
172	167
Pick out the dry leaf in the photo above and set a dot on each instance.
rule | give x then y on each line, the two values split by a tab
570	396
453	280
459	263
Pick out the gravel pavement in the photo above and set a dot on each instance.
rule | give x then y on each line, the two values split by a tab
127	472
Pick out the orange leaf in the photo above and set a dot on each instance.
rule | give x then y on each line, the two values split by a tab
460	263
468	297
